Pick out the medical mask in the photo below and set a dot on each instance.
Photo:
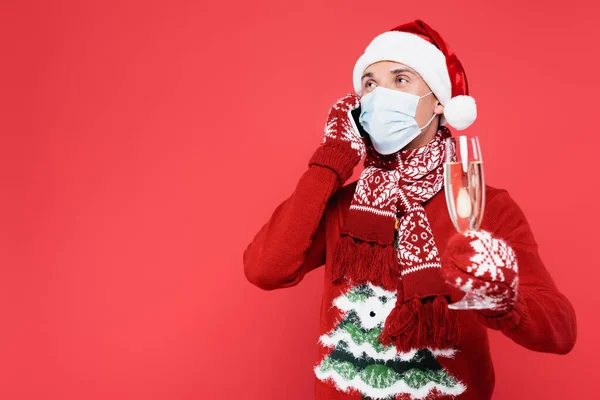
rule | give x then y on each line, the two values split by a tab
388	116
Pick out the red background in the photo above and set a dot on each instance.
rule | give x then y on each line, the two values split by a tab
145	143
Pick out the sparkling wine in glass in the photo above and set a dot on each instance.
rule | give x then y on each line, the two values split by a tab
465	196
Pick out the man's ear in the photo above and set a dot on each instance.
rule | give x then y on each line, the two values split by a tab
439	109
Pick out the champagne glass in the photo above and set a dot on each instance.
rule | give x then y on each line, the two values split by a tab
465	196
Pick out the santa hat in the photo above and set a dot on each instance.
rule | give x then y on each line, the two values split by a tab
418	46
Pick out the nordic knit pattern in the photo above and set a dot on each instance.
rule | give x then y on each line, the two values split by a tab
391	192
487	266
303	232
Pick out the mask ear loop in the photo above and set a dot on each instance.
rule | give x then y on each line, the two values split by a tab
434	114
427	124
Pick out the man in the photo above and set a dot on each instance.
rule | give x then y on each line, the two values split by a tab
393	260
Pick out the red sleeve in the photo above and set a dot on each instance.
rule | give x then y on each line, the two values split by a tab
292	242
542	318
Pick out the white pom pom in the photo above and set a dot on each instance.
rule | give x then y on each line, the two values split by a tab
460	112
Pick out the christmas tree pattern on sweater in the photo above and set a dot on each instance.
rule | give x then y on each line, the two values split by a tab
359	361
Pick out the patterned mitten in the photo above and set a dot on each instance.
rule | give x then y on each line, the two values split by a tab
342	147
476	261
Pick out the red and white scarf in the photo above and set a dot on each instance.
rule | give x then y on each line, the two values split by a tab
387	240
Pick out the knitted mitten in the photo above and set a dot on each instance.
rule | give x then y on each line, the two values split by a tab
342	147
475	261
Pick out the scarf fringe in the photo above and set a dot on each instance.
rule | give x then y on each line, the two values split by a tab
416	324
362	261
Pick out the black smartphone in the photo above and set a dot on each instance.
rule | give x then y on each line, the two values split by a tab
355	115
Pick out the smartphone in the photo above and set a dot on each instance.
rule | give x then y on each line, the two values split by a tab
354	120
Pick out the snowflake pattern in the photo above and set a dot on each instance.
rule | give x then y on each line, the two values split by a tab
396	186
339	128
493	272
377	192
417	251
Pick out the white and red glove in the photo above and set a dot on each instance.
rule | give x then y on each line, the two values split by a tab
342	147
339	130
477	262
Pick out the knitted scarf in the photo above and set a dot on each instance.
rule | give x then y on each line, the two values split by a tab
387	240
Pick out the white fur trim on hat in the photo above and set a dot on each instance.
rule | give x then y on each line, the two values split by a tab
413	51
429	62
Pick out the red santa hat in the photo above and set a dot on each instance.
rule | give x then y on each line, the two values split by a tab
418	46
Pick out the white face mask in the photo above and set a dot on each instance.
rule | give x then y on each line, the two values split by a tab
388	116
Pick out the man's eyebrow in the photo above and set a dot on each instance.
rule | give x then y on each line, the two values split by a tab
366	75
400	70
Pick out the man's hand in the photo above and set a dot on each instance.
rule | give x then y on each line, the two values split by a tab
478	262
339	131
342	147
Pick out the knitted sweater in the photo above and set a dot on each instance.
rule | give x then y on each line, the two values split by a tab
301	235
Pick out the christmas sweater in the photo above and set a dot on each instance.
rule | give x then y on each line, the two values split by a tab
351	363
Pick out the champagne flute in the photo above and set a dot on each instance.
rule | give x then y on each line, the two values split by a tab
465	196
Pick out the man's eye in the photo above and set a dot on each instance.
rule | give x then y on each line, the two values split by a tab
400	79
368	84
